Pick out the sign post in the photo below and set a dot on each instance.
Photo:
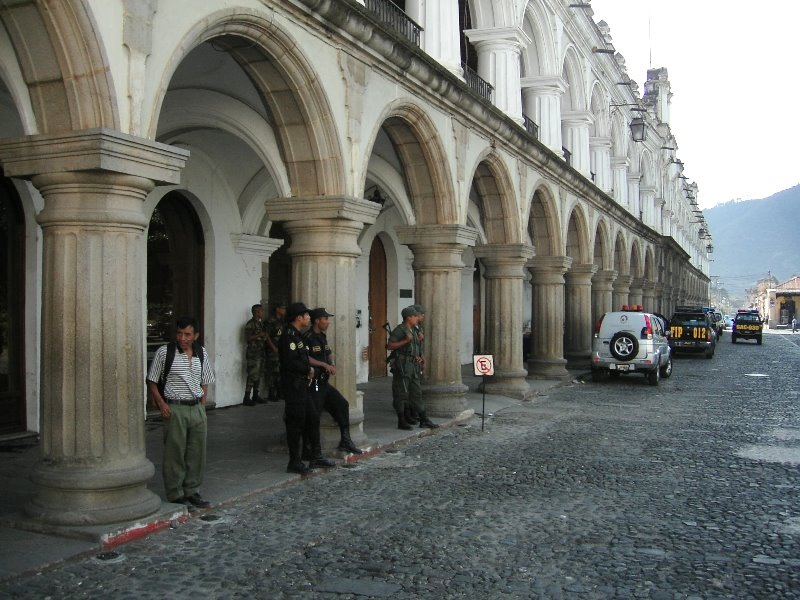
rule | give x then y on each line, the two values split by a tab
483	365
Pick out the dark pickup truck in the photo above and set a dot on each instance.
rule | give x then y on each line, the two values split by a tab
691	330
747	325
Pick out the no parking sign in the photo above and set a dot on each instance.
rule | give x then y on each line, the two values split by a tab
483	363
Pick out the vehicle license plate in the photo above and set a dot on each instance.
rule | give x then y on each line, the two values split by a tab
623	367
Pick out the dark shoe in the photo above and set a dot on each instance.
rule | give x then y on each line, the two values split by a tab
258	399
298	467
403	424
196	500
424	422
247	401
347	445
325	463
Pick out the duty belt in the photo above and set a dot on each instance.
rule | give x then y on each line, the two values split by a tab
184	402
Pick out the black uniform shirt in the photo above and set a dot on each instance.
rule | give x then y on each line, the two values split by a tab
293	353
318	349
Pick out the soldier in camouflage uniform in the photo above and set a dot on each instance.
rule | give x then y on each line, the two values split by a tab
272	373
406	361
255	335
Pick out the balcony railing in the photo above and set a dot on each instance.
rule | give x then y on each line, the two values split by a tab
567	155
530	126
388	13
478	85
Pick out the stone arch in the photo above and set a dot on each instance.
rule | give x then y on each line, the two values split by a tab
621	256
539	57
495	13
648	271
424	160
635	261
619	134
599	108
602	255
498	213
544	224
284	77
76	90
575	98
577	237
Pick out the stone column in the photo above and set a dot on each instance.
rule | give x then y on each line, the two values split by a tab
634	201
576	139
503	270
600	148
499	50
324	248
542	103
93	468
547	327
440	33
619	168
635	294
437	271
648	196
658	303
578	324
622	290
602	298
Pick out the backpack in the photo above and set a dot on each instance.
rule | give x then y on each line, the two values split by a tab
197	350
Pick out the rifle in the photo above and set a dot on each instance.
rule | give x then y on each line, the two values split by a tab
393	356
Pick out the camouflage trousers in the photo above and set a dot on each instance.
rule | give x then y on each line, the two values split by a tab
254	360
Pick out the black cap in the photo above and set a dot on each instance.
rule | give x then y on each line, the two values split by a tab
319	312
295	310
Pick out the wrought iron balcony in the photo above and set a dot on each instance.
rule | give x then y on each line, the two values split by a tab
388	13
478	85
567	155
530	126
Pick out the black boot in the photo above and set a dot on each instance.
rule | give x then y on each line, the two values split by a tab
411	416
295	443
402	423
424	421
346	443
256	398
247	401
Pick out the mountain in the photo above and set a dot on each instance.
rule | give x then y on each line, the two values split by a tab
755	238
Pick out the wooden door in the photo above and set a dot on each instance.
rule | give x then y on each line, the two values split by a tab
377	309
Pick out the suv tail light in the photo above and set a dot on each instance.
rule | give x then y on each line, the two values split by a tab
597	326
647	330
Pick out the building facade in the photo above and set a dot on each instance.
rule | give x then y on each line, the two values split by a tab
165	156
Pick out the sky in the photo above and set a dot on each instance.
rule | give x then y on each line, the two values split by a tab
733	75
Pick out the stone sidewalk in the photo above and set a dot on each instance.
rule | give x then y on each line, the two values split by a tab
246	456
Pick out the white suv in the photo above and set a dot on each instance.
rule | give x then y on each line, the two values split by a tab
631	341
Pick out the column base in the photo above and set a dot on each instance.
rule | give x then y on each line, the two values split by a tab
442	400
547	368
578	360
509	384
92	495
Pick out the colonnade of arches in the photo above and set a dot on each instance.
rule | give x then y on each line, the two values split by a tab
242	143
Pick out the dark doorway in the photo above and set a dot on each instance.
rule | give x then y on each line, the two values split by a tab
279	282
476	309
12	311
175	268
377	309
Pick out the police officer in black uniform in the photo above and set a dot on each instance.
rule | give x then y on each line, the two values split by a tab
324	395
296	375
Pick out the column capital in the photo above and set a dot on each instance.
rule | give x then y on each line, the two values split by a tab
436	235
512	37
577	118
549	264
308	209
581	273
623	281
101	149
545	84
604	276
620	162
600	142
504	252
258	245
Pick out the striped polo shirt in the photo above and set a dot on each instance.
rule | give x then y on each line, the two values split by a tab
184	381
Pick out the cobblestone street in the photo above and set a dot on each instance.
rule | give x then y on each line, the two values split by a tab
610	490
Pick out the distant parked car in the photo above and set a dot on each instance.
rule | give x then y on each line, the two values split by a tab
728	322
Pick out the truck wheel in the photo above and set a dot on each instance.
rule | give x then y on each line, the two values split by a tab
624	346
758	340
733	338
666	370
654	376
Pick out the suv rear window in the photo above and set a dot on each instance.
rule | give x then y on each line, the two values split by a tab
747	318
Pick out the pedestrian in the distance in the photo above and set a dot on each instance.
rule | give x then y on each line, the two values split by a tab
178	381
272	366
794	324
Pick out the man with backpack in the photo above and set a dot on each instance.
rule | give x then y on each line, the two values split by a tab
178	381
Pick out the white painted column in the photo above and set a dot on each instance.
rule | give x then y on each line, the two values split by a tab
619	167
438	270
441	37
600	148
93	468
499	53
648	196
576	139
542	103
324	248
634	201
547	326
504	273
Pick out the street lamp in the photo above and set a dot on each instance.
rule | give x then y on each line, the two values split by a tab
638	129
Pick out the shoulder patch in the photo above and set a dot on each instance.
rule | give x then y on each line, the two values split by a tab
293	346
